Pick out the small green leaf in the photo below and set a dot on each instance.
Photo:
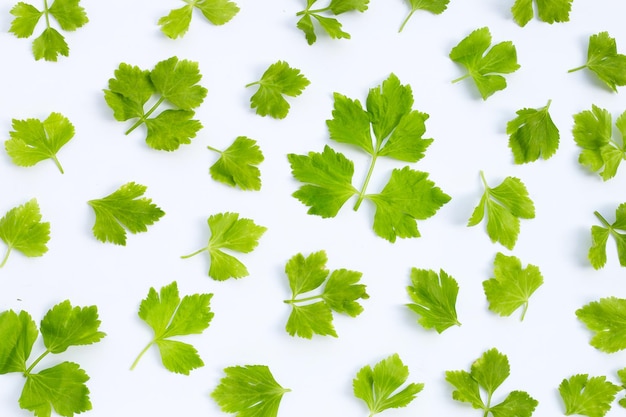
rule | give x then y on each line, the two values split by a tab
21	229
237	164
587	396
434	299
606	318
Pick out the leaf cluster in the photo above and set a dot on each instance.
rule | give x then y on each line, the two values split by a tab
61	387
387	127
177	21
231	233
173	83
604	61
328	24
485	67
313	314
503	206
123	210
606	318
600	236
68	14
486	374
379	387
33	141
21	229
434	299
277	81
169	316
549	11
249	391
593	132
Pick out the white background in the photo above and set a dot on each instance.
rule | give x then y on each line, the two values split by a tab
248	327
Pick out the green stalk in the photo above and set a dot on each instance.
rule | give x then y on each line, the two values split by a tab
143	118
141	354
461	78
524	311
30	368
301	300
307	11
603	220
577	68
482	177
6	256
366	182
195	253
406	20
214	150
57	163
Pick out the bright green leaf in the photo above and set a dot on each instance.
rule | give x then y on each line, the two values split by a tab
330	25
64	326
123	210
21	229
434	299
532	135
237	164
606	318
549	11
26	18
380	387
600	236
433	6
18	333
604	61
587	396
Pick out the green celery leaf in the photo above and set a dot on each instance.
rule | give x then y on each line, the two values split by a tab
606	318
434	299
176	23
604	61
177	82
170	129
379	386
408	196
622	377
491	370
466	388
504	205
277	81
593	133
69	14
232	233
600	236
485	69
511	286
64	326
387	104
305	24
587	396
312	314
341	292
21	229
33	141
60	388
516	404
169	316
309	319
328	180
549	11
532	135
217	12
332	27
237	164
18	333
350	123
433	6
342	6
49	45
123	210
26	18
128	92
249	391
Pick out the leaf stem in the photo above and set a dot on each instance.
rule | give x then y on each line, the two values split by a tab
307	11
46	11
524	311
30	368
603	220
143	118
214	149
577	68
251	84
195	253
136	361
406	20
301	300
482	178
57	163
366	182
456	80
6	256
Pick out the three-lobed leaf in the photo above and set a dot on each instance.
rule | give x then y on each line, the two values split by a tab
434	299
277	81
168	315
64	326
600	236
231	233
21	229
532	135
485	67
33	141
123	210
606	318
604	61
503	206
512	286
587	396
176	23
237	165
249	391
381	387
549	11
